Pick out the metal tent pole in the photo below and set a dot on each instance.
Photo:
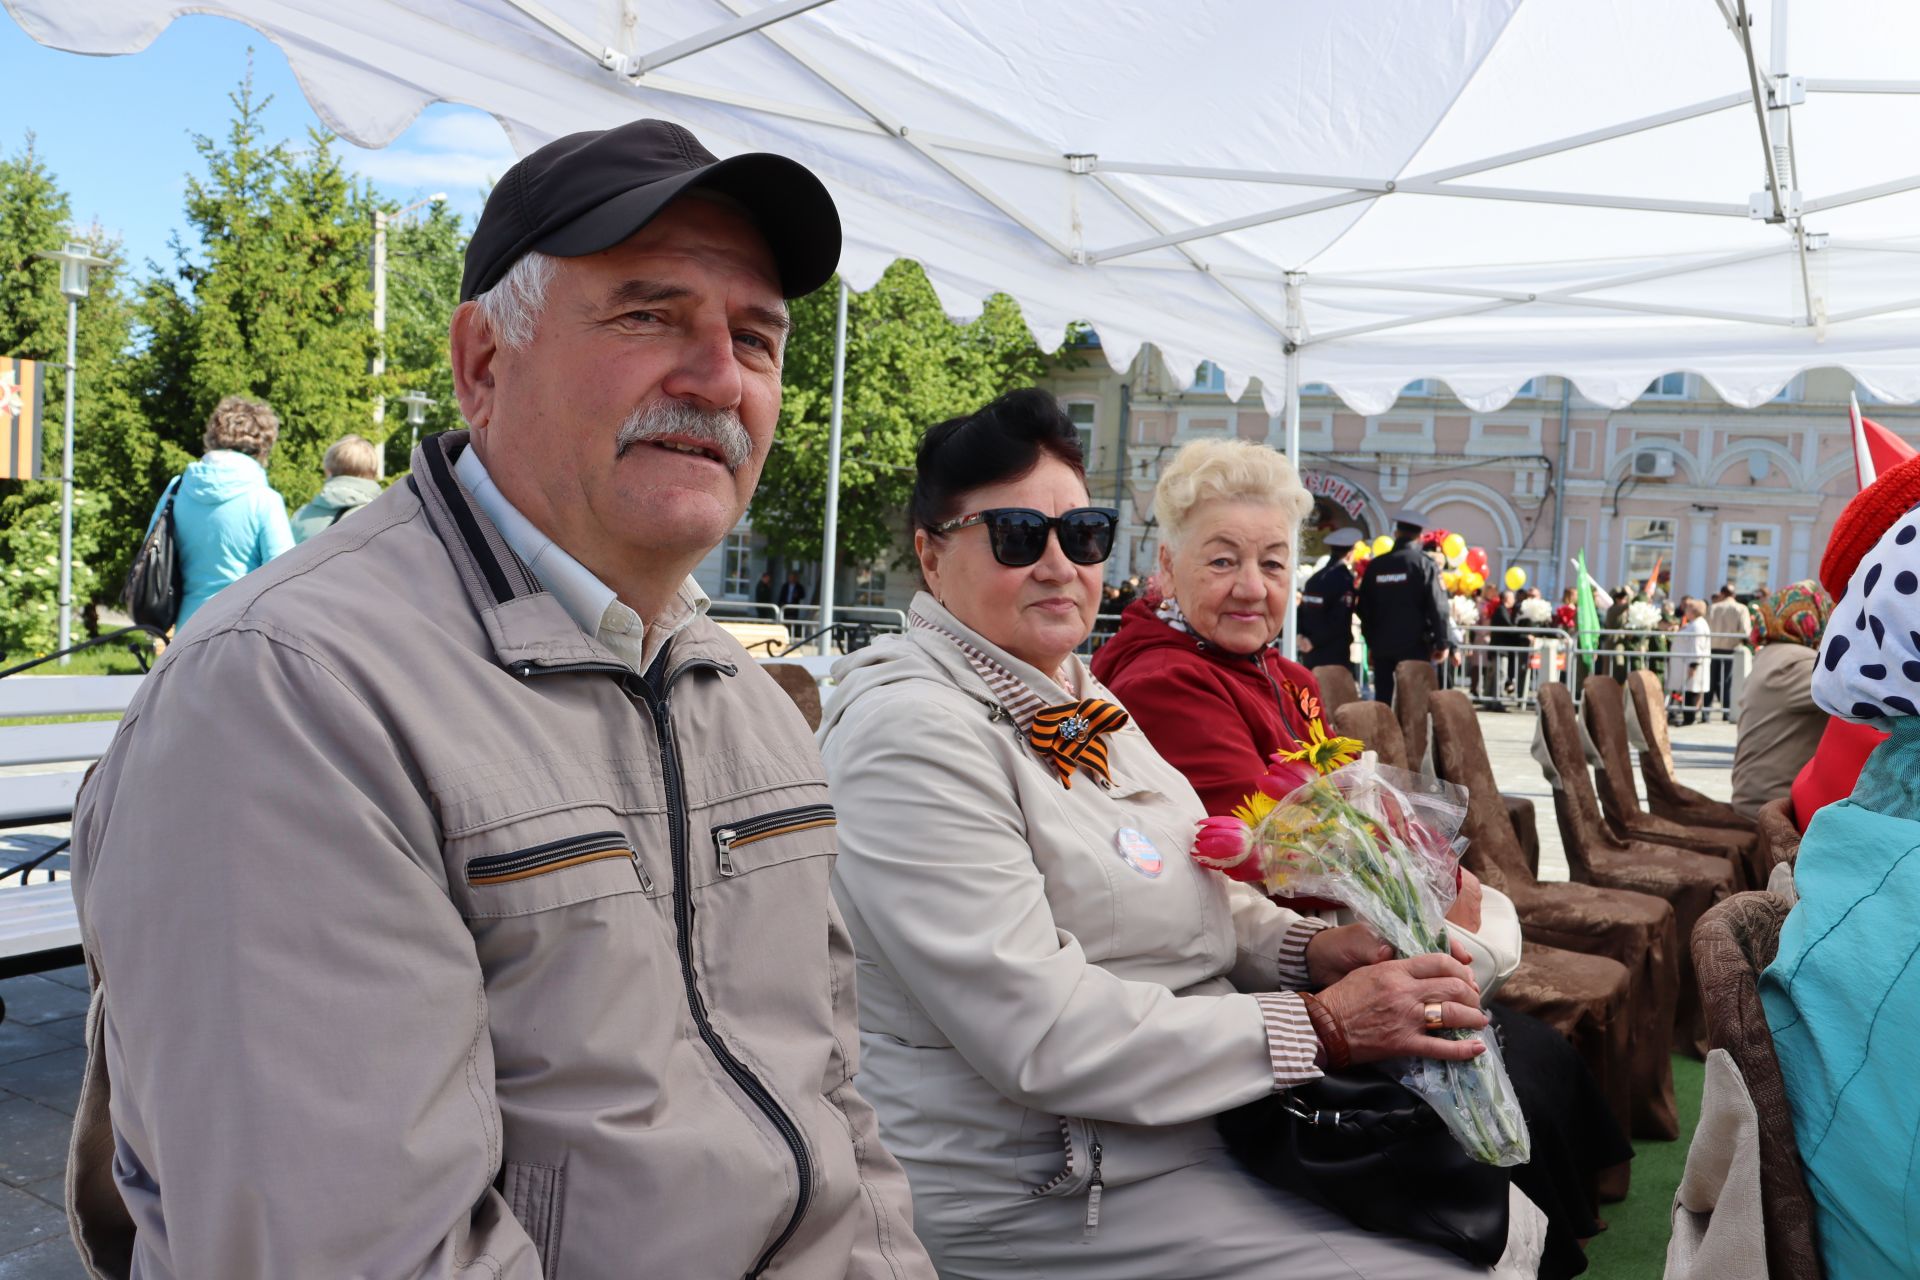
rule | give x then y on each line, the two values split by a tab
1289	638
830	536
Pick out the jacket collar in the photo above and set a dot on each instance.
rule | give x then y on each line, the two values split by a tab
526	624
947	640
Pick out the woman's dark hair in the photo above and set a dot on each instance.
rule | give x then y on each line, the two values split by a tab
999	442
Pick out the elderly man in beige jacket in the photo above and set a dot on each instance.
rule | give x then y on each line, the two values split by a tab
457	894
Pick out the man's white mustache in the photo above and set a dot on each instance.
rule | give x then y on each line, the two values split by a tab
676	419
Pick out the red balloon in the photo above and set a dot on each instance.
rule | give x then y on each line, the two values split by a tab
1477	560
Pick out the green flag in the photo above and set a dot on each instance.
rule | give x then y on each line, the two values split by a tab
1586	625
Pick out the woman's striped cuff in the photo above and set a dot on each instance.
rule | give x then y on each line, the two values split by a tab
1292	960
1291	1041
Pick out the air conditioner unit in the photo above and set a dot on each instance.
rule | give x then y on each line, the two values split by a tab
1653	464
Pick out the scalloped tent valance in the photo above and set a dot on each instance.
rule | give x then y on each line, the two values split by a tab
1478	191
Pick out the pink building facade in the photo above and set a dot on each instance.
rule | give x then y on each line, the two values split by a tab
1706	492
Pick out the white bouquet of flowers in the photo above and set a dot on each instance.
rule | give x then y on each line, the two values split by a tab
1536	612
1642	615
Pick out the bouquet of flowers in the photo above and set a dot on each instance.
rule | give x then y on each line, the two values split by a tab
1327	822
1536	612
1642	615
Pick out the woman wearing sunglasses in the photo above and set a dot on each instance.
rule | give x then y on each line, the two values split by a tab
1055	1001
1197	662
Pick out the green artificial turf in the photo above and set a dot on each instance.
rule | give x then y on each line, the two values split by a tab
1634	1245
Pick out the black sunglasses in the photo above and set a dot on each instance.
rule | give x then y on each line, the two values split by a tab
1018	535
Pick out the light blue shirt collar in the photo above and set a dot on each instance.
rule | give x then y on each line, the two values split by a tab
590	602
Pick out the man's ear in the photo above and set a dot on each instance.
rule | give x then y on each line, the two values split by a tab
472	347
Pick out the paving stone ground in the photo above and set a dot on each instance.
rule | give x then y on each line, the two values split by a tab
41	1057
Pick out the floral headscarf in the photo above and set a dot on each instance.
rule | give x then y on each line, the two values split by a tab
1795	615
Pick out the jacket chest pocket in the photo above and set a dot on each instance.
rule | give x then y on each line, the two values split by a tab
555	860
734	841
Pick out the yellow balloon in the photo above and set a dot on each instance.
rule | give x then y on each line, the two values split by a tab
1450	580
1382	545
1471	582
1361	551
1453	547
1516	578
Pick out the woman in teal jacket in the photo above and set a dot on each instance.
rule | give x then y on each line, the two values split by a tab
1842	996
227	519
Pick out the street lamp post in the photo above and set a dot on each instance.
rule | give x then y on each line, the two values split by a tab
381	219
417	402
76	263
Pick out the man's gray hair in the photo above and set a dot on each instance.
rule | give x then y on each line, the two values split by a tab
513	306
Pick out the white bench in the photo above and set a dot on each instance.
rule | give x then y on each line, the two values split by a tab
38	927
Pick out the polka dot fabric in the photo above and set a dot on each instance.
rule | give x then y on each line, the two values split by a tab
1869	665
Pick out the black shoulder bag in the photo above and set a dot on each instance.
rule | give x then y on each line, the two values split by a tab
153	591
1371	1150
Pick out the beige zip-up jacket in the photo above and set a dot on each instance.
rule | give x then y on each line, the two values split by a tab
430	940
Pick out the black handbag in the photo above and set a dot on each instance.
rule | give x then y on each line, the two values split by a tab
153	591
1372	1150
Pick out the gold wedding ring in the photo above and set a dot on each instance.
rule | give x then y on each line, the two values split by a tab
1436	1016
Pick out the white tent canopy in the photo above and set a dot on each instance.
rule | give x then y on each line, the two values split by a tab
1478	191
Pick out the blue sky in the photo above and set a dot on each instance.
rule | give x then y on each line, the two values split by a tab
118	132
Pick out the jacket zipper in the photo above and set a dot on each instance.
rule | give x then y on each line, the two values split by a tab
1096	1183
654	690
1094	1189
555	855
782	822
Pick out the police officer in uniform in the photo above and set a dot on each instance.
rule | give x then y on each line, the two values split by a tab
1325	621
1402	607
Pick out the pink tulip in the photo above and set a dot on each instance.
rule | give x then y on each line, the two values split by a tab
1284	777
1222	845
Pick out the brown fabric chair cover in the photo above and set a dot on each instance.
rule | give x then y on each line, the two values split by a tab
1731	945
1634	929
1692	882
800	686
1779	838
1373	724
1606	714
1666	796
1526	828
1413	686
1337	688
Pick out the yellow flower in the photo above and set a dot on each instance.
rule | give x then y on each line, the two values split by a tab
1254	808
1323	753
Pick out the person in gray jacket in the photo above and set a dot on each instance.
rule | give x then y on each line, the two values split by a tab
1055	999
352	464
455	892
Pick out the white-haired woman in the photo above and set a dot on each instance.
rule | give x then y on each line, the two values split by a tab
1197	664
352	467
227	519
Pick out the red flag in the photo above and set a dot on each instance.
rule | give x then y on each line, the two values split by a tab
1875	449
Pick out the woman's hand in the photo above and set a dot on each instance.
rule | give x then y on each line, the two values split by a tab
1334	953
1381	1007
1466	904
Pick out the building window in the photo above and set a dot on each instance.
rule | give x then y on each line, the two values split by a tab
1749	558
736	566
870	587
1529	389
1421	387
1668	386
1316	389
1209	377
1080	414
1795	390
1649	543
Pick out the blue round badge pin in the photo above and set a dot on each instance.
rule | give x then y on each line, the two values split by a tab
1138	852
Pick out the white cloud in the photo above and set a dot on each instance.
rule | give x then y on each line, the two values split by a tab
457	150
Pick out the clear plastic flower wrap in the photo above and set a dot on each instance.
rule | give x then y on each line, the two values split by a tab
1379	840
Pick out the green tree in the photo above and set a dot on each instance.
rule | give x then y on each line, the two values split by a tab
274	300
112	448
424	260
908	367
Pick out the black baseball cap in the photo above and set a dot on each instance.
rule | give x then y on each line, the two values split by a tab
589	191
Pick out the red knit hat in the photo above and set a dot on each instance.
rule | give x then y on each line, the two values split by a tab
1866	518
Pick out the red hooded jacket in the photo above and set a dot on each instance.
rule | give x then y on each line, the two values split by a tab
1215	716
